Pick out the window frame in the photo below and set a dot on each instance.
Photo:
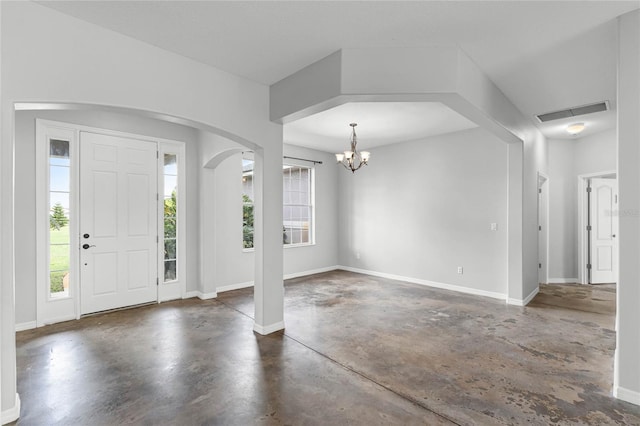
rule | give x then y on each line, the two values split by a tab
311	205
248	156
172	289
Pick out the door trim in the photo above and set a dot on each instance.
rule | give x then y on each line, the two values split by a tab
42	224
583	206
543	221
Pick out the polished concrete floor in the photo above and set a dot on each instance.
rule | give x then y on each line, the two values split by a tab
357	350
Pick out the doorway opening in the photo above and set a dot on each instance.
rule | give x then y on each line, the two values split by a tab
598	228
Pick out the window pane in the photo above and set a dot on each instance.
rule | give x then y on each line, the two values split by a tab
170	207
247	203
55	161
59	218
61	198
59	267
297	206
59	281
170	249
59	178
170	185
170	270
171	199
170	227
58	148
171	164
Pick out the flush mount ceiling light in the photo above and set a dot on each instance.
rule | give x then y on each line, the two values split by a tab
575	128
353	159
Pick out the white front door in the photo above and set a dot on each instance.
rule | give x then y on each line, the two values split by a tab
118	222
603	220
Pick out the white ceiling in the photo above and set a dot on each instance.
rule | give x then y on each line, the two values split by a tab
544	55
379	123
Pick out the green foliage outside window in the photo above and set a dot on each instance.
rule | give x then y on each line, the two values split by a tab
170	212
57	218
247	221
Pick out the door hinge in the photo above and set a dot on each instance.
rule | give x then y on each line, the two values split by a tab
588	266
539	227
157	281
157	197
588	227
588	189
157	154
157	239
539	190
539	265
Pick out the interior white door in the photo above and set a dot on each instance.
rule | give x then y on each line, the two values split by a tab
118	222
603	220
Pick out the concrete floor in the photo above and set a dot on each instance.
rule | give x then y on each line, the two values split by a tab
357	350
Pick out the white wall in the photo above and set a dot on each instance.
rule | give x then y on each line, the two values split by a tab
627	367
25	202
423	208
51	57
569	158
222	204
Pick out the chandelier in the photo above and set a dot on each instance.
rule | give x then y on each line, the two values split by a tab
353	159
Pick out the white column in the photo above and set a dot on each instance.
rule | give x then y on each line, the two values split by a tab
9	400
268	289
627	360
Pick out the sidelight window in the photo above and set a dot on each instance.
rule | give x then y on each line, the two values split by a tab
170	217
59	215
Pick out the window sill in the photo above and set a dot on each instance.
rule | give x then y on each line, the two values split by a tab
288	246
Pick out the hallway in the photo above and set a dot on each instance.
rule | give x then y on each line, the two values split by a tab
356	350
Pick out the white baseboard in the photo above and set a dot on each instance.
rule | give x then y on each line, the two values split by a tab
207	296
310	272
627	395
26	325
562	280
247	284
200	295
264	330
428	283
236	286
12	414
526	300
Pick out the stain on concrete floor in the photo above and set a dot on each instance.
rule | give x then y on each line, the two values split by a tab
356	350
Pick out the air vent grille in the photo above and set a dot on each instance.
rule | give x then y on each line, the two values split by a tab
574	112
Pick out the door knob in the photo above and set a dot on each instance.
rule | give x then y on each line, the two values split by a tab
86	246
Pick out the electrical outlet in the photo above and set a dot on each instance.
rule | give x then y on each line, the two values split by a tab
494	226
460	269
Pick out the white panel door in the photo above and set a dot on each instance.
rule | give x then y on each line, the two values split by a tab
118	222
602	210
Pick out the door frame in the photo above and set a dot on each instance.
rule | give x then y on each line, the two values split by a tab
543	221
583	212
64	311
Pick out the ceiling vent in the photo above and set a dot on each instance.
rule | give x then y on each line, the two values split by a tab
574	112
